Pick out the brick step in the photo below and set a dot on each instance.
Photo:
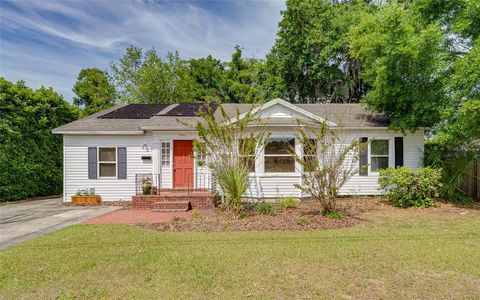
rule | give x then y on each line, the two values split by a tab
200	200
171	205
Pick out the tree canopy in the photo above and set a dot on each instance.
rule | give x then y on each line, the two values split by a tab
310	56
30	155
93	91
414	61
403	62
144	77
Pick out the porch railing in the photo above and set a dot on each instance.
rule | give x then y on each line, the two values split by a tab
201	182
151	184
147	184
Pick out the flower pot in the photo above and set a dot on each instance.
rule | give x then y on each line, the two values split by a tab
91	199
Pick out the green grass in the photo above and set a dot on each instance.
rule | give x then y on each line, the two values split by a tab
410	255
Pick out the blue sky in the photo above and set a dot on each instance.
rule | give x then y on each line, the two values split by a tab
49	42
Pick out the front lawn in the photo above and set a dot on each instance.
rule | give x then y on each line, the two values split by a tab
393	253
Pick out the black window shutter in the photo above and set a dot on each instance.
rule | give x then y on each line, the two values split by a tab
92	162
398	152
363	159
122	162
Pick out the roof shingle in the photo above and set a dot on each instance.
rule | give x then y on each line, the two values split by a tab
349	115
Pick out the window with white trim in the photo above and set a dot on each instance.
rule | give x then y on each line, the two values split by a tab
278	157
165	154
379	155
107	162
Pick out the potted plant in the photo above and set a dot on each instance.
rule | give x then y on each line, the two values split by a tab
146	186
85	196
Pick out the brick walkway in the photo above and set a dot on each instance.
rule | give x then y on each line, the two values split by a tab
125	216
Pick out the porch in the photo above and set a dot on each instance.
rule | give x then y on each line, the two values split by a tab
199	193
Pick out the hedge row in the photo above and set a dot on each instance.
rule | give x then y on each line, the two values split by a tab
30	155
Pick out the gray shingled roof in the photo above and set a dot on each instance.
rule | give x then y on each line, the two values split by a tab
349	115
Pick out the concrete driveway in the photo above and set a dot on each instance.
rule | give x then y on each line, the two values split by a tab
23	221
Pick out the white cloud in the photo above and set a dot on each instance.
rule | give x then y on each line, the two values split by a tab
50	41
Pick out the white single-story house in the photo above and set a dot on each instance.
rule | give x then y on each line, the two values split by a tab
110	150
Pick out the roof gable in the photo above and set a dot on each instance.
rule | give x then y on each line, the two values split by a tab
281	109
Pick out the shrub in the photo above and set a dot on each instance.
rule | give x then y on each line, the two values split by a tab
249	206
31	157
334	214
289	202
456	163
266	209
407	188
327	162
234	182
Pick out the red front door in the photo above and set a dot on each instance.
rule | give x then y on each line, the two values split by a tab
182	163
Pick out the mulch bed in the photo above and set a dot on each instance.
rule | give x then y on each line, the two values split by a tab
305	217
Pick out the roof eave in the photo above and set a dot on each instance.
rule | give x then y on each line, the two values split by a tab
98	132
156	128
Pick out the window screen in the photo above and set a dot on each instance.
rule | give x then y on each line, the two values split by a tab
165	154
107	162
279	155
379	152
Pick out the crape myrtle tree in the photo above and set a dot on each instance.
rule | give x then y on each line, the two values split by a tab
328	161
230	145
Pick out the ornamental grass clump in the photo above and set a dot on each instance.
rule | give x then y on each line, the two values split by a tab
234	183
267	209
405	187
289	202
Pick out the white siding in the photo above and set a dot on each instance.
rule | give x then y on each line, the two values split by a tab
262	185
412	157
268	186
278	186
280	111
76	165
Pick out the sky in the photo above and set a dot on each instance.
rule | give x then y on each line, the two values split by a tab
49	42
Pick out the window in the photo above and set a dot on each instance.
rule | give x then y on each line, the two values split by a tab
107	162
200	159
247	153
279	156
379	151
310	153
165	154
